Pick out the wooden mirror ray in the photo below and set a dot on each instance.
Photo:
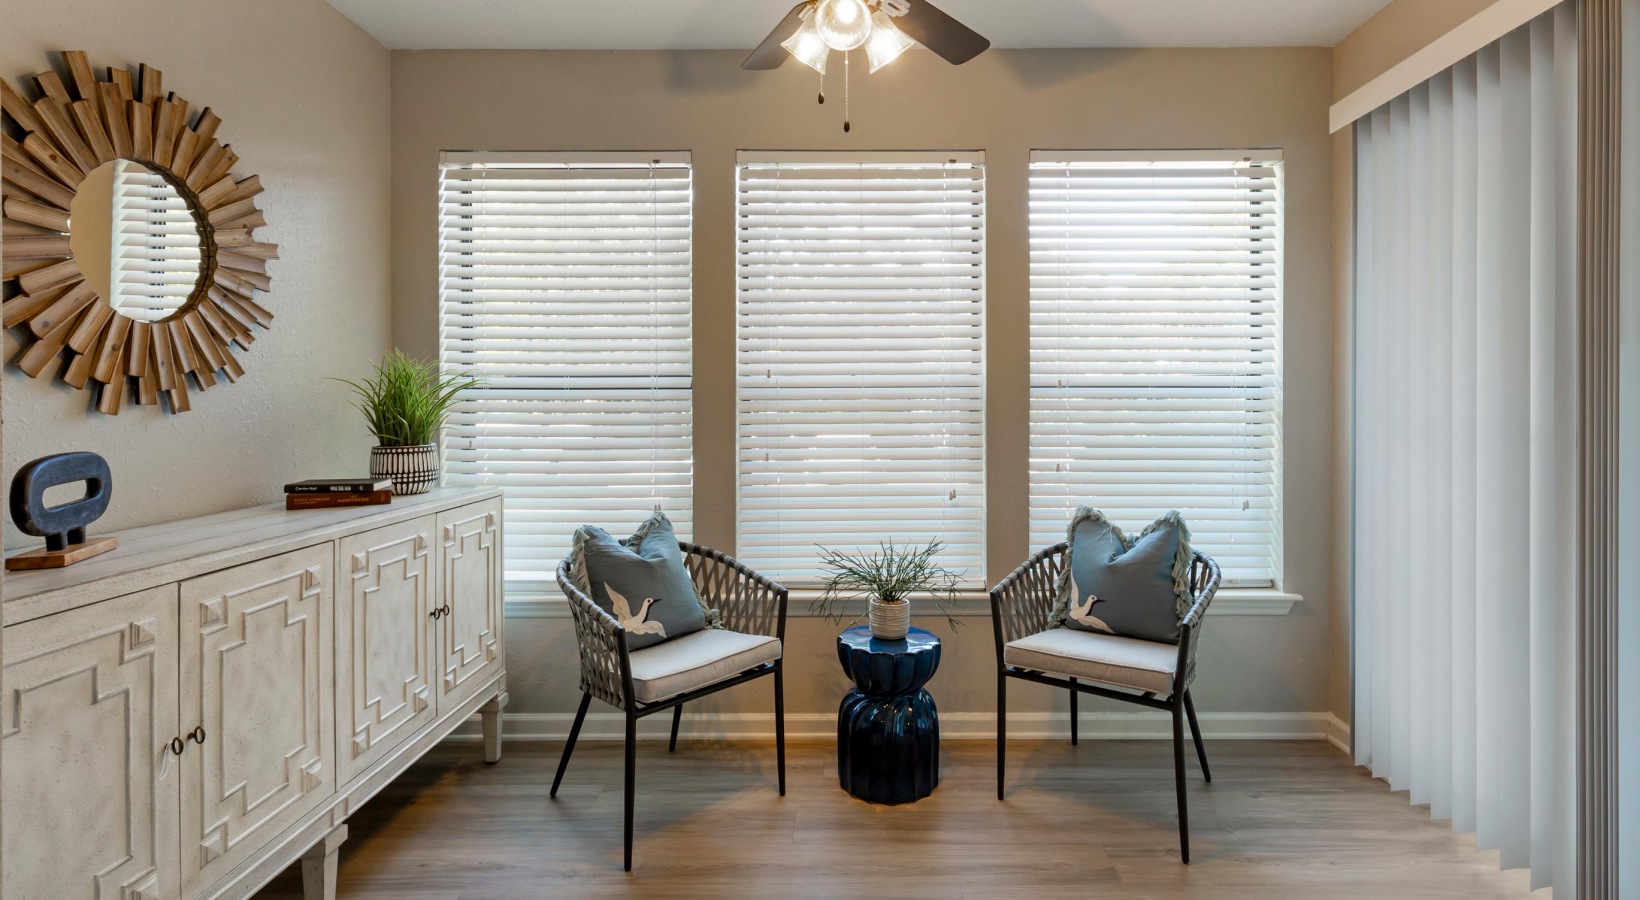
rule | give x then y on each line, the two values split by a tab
49	146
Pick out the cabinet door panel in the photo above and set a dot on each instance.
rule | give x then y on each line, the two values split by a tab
470	637
256	676
384	641
90	791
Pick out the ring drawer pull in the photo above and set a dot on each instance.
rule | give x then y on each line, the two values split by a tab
197	735
177	746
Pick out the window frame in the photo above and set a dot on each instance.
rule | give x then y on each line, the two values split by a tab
974	582
532	590
1272	588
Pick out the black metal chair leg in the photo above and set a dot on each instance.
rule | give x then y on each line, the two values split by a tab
1196	732
631	779
677	716
569	747
780	723
1073	712
1002	730
1178	776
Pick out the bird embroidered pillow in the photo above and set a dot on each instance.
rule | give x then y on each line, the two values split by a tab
643	584
1131	587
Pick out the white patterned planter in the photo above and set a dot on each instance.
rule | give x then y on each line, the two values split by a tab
414	470
890	621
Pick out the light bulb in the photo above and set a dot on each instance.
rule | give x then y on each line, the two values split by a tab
887	42
807	46
844	24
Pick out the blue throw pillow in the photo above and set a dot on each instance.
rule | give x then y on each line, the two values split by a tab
1132	587
643	584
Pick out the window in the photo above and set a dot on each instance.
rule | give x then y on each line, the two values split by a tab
859	344
1155	348
565	284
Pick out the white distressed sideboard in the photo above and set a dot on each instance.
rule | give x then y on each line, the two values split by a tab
186	716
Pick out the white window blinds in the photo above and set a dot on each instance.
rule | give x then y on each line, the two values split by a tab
155	255
565	285
859	345
1155	348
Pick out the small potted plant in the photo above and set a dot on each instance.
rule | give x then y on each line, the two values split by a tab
405	405
887	579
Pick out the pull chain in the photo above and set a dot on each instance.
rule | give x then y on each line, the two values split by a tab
846	126
822	88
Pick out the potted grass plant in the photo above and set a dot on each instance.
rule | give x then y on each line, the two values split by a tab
405	404
887	579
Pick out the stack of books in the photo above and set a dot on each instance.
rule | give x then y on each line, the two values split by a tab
333	493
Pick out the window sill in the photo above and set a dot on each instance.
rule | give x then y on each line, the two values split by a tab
538	604
1253	602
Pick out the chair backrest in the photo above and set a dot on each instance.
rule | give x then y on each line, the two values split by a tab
1204	584
601	641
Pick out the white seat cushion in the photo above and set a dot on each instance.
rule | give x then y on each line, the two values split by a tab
1123	662
697	660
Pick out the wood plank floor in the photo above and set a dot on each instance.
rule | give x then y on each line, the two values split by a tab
1280	820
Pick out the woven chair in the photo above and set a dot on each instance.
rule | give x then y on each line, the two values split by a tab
1154	675
666	676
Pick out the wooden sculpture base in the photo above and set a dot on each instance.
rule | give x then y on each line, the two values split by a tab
57	559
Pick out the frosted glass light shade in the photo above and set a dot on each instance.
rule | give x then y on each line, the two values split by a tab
808	47
886	42
844	24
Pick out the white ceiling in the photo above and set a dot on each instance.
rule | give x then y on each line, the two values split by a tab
741	24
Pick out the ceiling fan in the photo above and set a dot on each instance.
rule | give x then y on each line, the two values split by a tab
883	28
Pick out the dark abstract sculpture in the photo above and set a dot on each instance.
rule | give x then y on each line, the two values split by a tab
63	526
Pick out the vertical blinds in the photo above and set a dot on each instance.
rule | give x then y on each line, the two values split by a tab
1155	348
859	345
155	246
1466	536
565	285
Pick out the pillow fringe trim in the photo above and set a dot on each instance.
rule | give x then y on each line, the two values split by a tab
578	562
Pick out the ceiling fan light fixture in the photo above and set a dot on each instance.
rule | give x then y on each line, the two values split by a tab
887	42
807	47
843	24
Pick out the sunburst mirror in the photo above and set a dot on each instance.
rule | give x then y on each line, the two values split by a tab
130	248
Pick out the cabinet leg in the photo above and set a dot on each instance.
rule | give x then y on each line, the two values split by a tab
319	866
490	715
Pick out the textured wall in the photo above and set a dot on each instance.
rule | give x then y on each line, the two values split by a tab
304	98
1005	103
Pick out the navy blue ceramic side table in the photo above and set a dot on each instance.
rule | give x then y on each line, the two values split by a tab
888	732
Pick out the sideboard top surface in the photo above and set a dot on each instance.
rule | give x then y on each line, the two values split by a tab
175	551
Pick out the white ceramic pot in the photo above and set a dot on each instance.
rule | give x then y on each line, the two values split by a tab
890	621
414	470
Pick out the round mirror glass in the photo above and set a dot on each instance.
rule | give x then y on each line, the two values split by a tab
136	240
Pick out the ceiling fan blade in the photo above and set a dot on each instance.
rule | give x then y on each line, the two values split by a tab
955	42
769	54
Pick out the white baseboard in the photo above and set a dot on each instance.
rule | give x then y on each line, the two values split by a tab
611	726
1338	734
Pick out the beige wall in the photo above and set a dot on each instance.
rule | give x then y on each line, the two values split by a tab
1005	103
304	98
1398	30
1340	679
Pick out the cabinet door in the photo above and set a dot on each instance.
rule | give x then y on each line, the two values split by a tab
90	789
384	641
469	577
256	677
